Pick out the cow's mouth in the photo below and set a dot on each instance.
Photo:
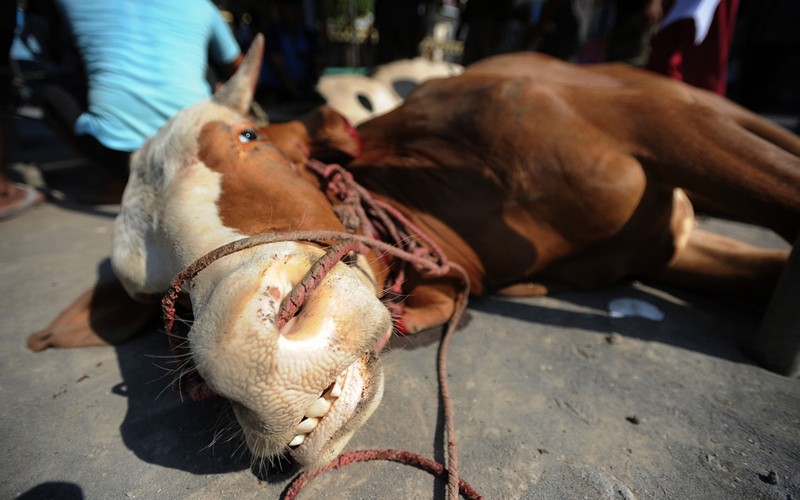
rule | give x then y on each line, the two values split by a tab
327	423
305	386
318	410
332	418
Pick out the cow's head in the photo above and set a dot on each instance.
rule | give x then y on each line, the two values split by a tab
211	176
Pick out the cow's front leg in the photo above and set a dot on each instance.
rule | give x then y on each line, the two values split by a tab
717	264
102	315
428	306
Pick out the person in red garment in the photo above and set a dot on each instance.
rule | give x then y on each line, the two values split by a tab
693	44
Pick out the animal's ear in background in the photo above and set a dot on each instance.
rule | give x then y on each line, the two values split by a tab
333	138
237	93
359	98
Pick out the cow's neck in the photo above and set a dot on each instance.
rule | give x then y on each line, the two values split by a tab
404	189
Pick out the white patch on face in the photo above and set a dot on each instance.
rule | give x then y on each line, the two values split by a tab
169	214
192	219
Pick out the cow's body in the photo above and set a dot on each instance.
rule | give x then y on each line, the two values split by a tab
531	174
563	192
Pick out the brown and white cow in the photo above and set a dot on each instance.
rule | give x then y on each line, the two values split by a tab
531	174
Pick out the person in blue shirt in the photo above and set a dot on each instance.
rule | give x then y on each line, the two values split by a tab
144	60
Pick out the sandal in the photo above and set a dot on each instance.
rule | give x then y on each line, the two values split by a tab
17	199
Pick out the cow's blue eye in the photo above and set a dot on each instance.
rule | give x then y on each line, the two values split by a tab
247	135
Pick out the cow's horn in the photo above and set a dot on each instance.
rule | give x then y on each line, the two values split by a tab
237	93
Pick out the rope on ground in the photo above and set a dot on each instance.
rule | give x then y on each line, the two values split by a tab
403	457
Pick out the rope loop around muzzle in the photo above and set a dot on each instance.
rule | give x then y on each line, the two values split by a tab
189	382
346	243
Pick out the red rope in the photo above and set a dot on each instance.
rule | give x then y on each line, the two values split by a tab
294	301
403	457
375	219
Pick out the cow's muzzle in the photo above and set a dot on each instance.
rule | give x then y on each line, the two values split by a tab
289	337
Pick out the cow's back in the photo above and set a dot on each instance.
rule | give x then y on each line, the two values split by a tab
510	174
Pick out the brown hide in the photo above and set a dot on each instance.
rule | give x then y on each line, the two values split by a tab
529	170
262	190
265	187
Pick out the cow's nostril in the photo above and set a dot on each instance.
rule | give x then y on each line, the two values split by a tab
351	259
288	314
297	297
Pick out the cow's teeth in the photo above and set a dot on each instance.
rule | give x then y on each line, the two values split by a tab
336	390
306	426
319	408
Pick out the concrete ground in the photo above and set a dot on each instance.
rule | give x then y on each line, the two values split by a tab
554	397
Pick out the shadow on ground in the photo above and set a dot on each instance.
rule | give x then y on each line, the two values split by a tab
588	311
197	437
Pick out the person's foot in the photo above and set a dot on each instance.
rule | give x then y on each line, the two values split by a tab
16	198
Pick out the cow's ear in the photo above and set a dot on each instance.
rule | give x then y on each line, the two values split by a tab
237	93
333	138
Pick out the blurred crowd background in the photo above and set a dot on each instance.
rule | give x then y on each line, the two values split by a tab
103	75
306	38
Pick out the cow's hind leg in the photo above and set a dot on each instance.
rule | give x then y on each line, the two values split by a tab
719	265
734	163
102	315
752	122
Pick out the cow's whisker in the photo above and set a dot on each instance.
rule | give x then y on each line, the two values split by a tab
226	429
169	357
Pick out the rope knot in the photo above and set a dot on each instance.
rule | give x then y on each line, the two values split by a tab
335	178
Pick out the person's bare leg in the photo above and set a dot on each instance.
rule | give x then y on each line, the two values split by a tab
102	315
